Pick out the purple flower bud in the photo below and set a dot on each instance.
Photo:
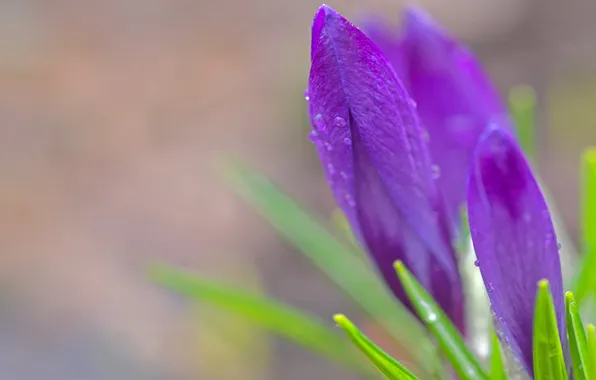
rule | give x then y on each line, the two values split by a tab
514	239
379	167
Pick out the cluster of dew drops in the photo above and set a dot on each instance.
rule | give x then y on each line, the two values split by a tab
319	136
319	132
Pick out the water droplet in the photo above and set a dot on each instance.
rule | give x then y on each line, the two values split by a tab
339	121
412	103
313	136
476	263
347	141
319	123
350	200
306	95
343	175
328	146
431	317
330	168
436	171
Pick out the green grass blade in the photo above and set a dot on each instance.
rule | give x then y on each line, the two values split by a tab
578	344
447	335
388	366
290	323
336	259
591	332
549	363
497	367
522	104
586	281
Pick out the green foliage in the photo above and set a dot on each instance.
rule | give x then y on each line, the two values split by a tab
447	335
391	368
549	363
585	283
287	322
522	104
497	367
340	261
578	345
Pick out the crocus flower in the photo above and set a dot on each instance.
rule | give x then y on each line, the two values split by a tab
456	100
514	239
376	159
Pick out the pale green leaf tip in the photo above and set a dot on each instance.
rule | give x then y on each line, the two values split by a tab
590	156
569	297
591	328
398	265
523	95
342	321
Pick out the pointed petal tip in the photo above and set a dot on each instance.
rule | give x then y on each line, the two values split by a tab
416	19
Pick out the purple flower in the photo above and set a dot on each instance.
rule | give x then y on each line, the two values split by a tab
514	239
456	100
376	159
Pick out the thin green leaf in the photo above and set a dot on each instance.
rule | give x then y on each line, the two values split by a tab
522	103
497	367
586	281
290	323
578	345
447	335
591	331
388	366
549	363
336	260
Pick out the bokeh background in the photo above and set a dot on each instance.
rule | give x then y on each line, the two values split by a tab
114	118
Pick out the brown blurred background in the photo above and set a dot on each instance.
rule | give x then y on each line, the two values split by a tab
113	117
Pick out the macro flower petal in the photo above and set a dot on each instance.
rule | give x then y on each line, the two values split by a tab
456	100
376	159
513	238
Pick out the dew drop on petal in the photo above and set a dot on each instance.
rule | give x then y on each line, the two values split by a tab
328	146
476	263
412	103
331	168
306	95
319	123
343	175
350	200
339	122
436	171
313	136
347	141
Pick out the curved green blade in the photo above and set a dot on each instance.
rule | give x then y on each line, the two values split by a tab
591	332
290	323
447	335
522	104
497	367
578	344
549	363
585	282
388	366
336	259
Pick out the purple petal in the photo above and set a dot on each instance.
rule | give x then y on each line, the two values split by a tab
456	100
376	159
513	237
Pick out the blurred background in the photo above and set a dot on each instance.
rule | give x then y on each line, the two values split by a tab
114	117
